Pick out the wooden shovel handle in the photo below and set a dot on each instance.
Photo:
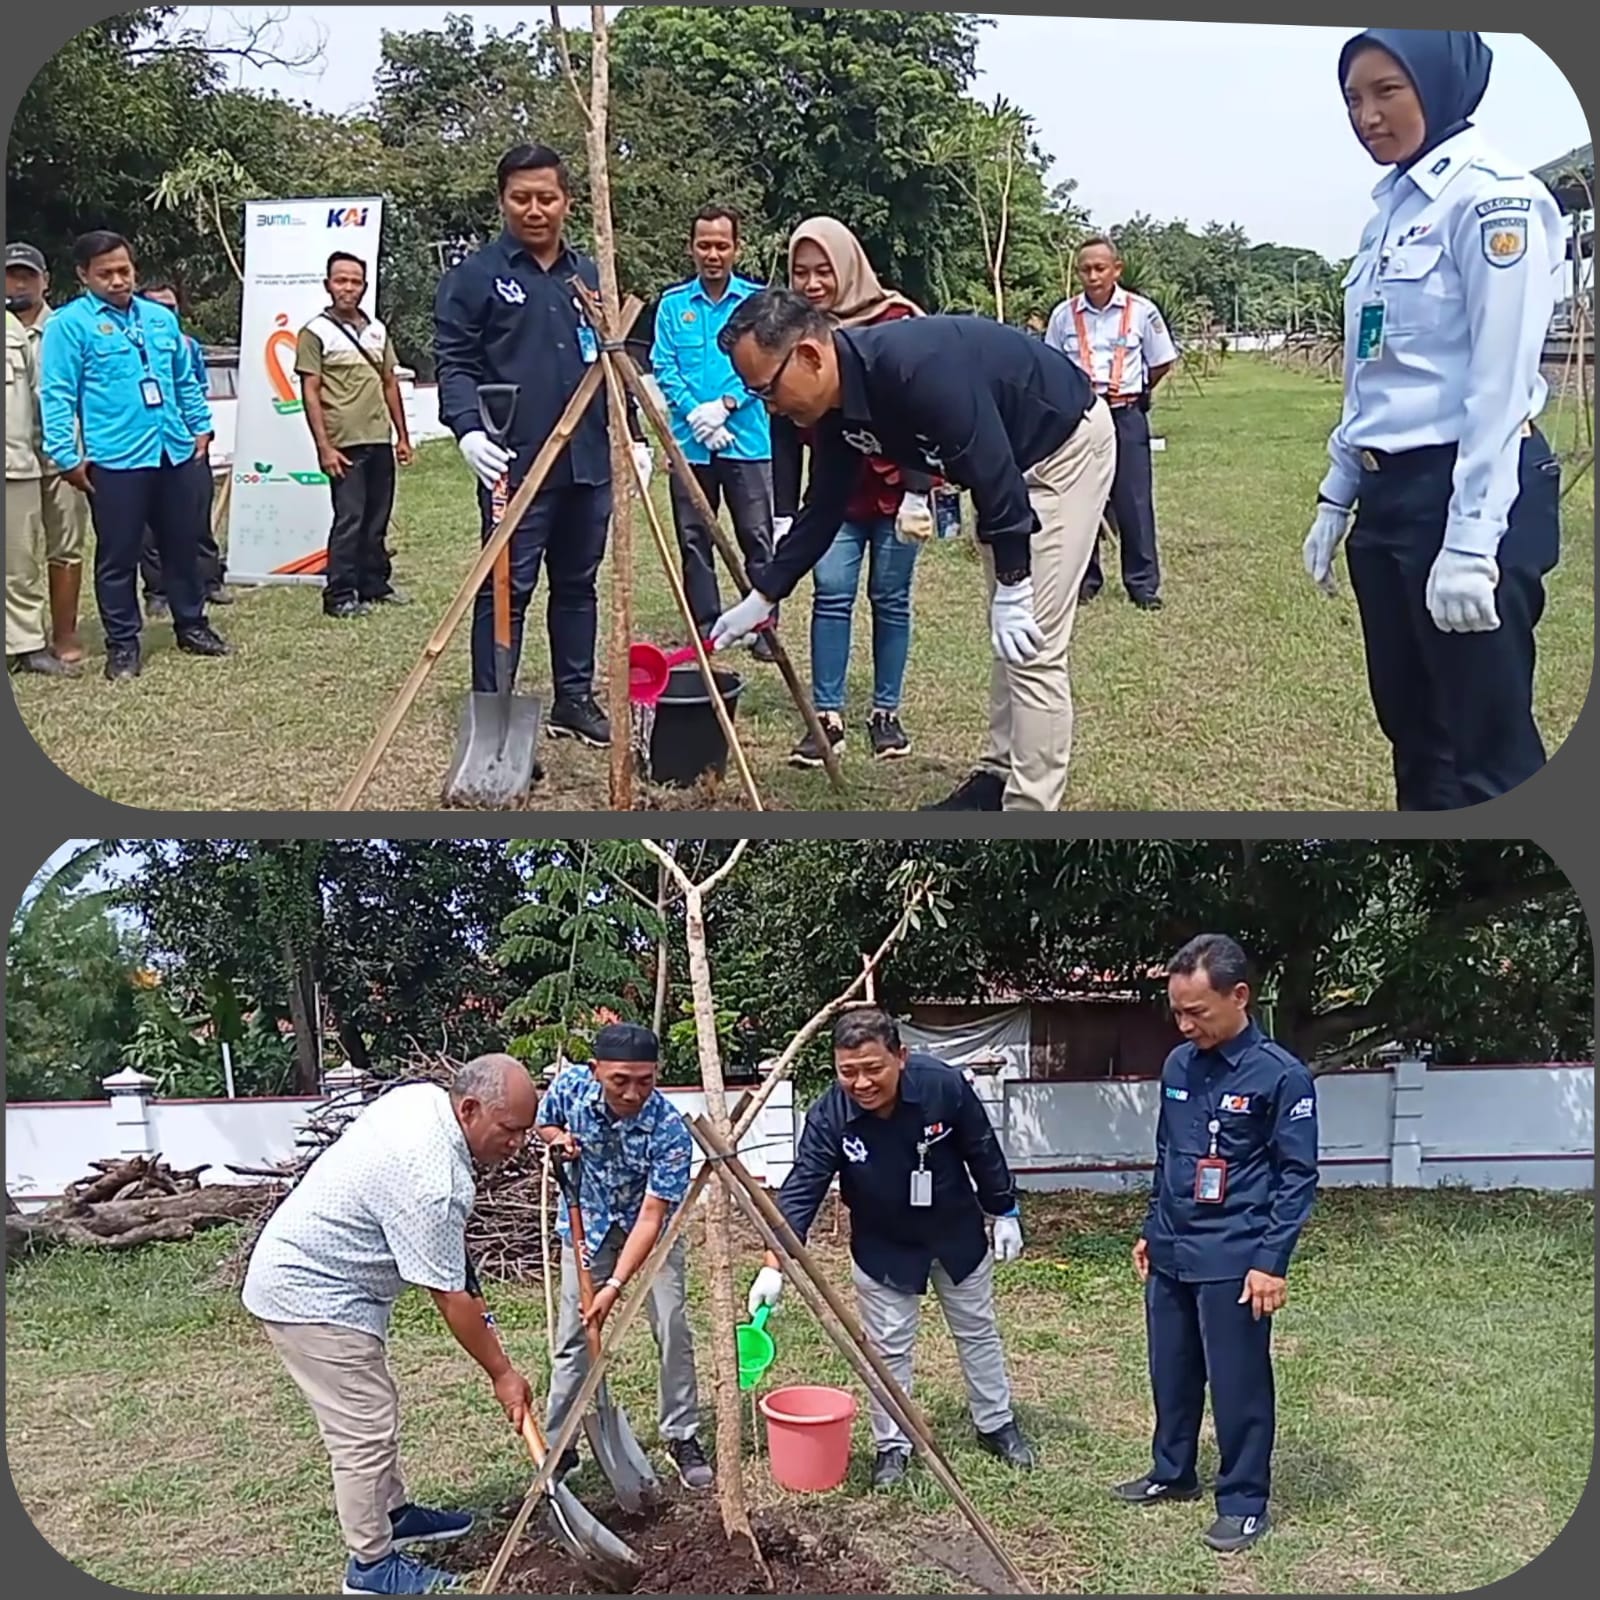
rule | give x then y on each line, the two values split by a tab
502	587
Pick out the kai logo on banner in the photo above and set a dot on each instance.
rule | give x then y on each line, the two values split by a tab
347	217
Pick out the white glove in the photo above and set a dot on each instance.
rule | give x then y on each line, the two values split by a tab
780	530
914	521
1460	593
707	419
1322	544
1007	1238
1012	631
489	462
645	462
766	1290
721	440
736	624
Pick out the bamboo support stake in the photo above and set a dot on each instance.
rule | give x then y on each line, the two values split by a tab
516	509
802	1270
730	554
675	583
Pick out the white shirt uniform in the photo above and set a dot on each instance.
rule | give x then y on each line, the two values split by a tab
1459	271
1146	344
384	1206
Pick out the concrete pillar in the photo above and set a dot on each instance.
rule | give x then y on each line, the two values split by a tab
130	1094
1409	1082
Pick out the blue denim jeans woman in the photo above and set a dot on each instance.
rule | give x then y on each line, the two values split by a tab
890	564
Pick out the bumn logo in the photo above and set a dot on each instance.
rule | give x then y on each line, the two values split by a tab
278	219
347	217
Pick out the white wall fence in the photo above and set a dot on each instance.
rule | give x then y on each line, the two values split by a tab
50	1144
1409	1126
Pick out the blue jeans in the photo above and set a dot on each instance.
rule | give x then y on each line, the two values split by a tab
835	579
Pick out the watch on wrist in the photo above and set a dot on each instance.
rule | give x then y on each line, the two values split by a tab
614	1283
730	404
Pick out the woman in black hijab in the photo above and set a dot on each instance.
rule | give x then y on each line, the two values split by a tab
1454	492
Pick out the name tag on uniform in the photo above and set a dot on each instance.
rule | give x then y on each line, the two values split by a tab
1369	332
1210	1180
921	1188
151	390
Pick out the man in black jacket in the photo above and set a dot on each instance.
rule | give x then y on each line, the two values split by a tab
980	405
918	1165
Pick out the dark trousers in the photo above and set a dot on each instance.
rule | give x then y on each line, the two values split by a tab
212	568
1456	707
1131	511
565	529
363	500
1199	1334
747	487
172	501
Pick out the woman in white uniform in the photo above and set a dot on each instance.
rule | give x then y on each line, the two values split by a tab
1448	493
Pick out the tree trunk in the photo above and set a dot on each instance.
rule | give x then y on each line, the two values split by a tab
724	1317
621	630
303	1012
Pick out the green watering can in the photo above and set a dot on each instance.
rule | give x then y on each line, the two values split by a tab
756	1349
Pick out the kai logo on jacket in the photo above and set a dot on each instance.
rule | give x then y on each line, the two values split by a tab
1236	1102
1302	1108
854	1149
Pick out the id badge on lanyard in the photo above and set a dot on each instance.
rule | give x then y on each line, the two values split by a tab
922	1180
1369	331
151	390
1211	1172
588	345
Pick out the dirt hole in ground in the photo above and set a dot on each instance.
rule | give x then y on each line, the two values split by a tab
683	1550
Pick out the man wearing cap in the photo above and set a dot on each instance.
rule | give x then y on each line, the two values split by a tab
632	1151
63	515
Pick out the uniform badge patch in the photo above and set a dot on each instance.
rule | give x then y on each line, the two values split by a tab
854	1149
1505	202
1175	1093
1505	240
510	291
866	443
1236	1102
1301	1109
689	318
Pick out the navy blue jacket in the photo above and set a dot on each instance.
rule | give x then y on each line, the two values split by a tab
893	1242
1266	1103
973	401
499	317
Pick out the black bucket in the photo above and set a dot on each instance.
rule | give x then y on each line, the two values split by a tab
687	741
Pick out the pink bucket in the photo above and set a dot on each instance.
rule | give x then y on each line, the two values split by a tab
808	1436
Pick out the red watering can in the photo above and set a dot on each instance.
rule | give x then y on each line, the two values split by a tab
650	668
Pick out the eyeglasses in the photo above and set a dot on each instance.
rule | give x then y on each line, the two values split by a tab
766	390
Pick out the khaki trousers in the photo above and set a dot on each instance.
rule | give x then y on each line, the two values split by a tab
26	592
1030	706
345	1377
66	522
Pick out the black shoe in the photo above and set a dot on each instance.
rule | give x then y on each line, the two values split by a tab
983	791
808	753
1229	1535
1010	1446
890	1468
122	661
694	1471
203	640
582	720
762	648
568	1464
344	610
390	597
1147	602
1147	1491
1086	595
41	663
888	739
156	608
216	595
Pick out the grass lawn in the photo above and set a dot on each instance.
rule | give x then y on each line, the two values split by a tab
1436	1412
1247	693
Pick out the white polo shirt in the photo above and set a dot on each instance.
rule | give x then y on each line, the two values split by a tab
384	1206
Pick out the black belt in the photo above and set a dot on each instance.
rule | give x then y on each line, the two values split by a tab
1387	460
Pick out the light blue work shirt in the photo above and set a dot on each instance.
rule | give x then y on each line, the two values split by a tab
94	361
1464	258
691	369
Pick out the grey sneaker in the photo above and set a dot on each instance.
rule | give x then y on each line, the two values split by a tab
694	1471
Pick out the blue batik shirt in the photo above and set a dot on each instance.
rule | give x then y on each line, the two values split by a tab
623	1160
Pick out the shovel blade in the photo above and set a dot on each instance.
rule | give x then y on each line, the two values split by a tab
591	1542
496	759
619	1455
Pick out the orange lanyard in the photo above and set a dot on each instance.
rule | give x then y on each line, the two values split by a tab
1118	356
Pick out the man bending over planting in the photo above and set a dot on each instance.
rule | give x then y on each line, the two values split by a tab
384	1206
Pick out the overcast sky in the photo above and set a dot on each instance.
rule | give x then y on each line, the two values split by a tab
1229	123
